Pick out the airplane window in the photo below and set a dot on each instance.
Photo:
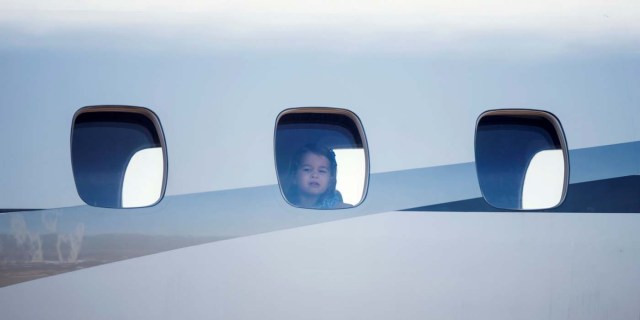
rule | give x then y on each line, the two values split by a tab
118	156
321	158
521	159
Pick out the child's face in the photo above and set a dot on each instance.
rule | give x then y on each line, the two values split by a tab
313	174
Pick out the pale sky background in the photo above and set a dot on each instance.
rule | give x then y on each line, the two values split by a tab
333	25
417	73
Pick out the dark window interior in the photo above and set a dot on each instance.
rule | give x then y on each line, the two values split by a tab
101	147
504	147
295	130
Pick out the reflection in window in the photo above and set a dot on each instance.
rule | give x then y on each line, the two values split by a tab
118	156
544	180
321	158
142	184
521	159
352	173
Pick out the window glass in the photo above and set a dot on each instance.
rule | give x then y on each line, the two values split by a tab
521	159
118	157
142	184
321	158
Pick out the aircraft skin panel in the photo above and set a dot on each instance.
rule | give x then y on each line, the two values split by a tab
417	111
605	162
223	242
401	265
48	242
615	195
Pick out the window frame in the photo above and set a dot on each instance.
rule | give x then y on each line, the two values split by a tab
524	113
147	113
324	110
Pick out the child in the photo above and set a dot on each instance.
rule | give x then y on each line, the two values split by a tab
312	179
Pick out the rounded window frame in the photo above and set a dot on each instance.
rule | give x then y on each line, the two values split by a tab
324	110
557	125
147	113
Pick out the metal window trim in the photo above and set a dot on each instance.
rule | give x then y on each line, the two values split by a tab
557	125
325	110
146	112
